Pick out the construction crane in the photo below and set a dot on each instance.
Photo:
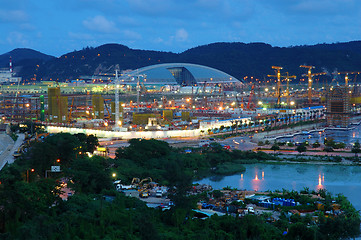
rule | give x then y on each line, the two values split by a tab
278	76
107	108
116	118
346	75
70	110
310	75
287	77
239	104
250	97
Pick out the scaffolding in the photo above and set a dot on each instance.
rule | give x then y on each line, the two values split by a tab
20	108
338	106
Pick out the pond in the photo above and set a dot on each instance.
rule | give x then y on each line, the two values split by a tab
262	177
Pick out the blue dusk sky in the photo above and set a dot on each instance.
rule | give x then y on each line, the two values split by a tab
56	27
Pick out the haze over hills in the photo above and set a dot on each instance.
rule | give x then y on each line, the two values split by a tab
236	59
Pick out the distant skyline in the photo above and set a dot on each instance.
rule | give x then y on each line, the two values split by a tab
57	27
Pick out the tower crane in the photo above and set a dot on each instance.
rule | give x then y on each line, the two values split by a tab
250	97
287	77
310	75
278	76
346	75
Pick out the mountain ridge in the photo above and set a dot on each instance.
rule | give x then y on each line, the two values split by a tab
235	58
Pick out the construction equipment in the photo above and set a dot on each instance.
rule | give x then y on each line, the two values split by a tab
171	122
288	87
107	108
310	75
278	76
346	75
70	110
143	193
148	179
239	104
135	182
250	97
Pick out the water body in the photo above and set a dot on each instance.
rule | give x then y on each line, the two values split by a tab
262	177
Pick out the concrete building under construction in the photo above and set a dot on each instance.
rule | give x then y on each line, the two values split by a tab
338	106
57	106
98	106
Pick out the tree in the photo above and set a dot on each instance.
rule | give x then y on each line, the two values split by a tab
301	148
275	147
91	143
329	142
88	143
356	148
90	175
179	183
316	145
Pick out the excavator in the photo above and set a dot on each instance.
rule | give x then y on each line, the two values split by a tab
144	187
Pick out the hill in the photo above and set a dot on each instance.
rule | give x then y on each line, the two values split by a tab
25	61
236	59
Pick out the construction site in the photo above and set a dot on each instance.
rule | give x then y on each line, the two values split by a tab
131	102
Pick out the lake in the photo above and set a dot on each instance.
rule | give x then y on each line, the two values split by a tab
262	177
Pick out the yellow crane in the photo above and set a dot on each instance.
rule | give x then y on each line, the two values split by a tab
278	76
310	75
346	75
287	77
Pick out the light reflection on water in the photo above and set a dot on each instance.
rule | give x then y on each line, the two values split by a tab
263	177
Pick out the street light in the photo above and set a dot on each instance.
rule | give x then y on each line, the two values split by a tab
114	175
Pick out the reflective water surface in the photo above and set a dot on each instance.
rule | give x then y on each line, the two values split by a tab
263	177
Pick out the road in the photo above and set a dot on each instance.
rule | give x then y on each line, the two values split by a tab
8	147
239	143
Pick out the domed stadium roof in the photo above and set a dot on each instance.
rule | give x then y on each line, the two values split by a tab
185	74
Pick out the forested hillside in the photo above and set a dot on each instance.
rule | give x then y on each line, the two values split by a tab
236	59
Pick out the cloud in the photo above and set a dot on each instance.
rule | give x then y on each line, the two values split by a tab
158	40
27	27
128	21
225	9
100	24
181	35
128	34
17	39
13	16
314	8
154	7
80	36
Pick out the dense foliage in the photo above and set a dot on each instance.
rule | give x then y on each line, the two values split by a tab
30	207
144	158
